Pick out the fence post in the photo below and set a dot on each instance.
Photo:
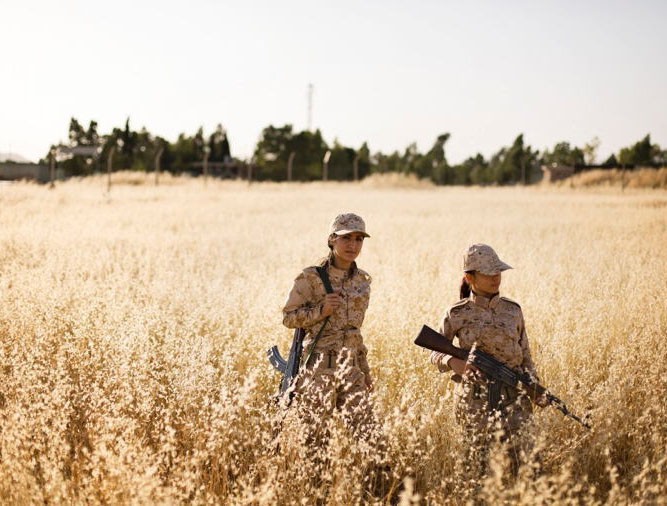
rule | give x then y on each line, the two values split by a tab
52	166
158	156
207	152
325	165
112	150
290	161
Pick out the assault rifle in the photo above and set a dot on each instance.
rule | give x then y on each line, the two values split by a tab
493	369
290	367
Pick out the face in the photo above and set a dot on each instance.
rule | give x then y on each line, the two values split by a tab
347	247
483	284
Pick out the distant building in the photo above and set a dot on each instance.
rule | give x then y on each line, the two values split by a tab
13	171
556	172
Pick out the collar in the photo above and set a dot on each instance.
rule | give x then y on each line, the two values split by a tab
337	273
485	302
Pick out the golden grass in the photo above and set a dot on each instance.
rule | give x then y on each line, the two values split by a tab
395	180
638	178
133	330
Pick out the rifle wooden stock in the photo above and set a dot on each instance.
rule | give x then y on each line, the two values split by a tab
435	341
493	369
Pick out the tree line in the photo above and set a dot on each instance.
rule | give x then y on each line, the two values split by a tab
282	153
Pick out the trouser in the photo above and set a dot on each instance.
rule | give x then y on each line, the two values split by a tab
492	414
332	382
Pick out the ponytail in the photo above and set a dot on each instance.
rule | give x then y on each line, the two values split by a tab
329	259
464	291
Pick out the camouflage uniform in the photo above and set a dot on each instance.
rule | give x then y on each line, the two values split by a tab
496	326
336	376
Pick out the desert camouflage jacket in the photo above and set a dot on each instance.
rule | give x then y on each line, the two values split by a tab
303	308
495	325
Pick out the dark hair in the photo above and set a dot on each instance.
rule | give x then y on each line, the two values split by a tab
464	290
329	259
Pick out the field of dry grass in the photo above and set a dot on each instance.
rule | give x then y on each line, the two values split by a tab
638	178
133	330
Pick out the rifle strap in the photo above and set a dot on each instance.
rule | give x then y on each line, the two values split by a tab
324	276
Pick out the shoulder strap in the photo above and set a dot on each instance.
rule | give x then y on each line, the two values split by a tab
324	275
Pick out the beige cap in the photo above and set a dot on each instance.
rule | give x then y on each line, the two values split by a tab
482	258
348	223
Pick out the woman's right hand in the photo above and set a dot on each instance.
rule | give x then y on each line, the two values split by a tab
332	301
463	368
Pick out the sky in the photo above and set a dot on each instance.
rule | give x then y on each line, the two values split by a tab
389	73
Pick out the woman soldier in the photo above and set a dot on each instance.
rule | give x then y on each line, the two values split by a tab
484	320
334	376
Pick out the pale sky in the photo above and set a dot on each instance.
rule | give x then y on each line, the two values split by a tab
387	72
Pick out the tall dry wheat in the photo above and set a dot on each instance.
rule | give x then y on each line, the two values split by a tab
133	330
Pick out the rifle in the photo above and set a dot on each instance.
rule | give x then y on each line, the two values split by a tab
493	369
290	367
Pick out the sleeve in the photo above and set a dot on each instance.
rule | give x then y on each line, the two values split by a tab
527	363
300	311
447	330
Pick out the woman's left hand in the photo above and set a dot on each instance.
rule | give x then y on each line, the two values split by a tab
541	400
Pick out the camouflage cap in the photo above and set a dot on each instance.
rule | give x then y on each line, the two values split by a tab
348	223
482	258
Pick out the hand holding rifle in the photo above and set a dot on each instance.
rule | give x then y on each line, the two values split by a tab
492	368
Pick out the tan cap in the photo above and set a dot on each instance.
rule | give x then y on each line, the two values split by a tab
348	223
482	258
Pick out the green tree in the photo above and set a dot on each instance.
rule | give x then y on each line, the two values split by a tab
77	134
187	150
382	163
590	150
474	170
612	161
272	152
341	163
275	146
309	148
77	164
434	165
144	152
563	154
219	145
641	153
514	164
364	161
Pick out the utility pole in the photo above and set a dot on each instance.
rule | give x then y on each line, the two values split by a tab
310	106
